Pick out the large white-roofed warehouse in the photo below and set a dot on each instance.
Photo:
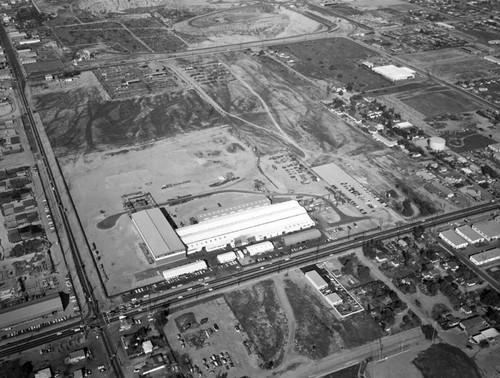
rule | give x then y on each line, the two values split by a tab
245	227
158	234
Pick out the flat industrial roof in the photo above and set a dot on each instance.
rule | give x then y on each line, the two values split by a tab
247	223
157	233
316	279
486	255
30	310
453	237
393	72
489	228
470	233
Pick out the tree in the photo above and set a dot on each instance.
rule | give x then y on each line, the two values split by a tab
428	331
418	231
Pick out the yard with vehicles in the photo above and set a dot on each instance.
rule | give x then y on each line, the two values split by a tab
211	338
259	312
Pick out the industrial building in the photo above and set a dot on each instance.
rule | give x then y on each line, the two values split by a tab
334	299
316	279
468	233
489	229
301	237
30	310
184	269
226	257
453	239
158	234
486	256
245	227
395	73
259	248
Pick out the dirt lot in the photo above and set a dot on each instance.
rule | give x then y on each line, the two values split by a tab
336	59
259	312
247	23
227	339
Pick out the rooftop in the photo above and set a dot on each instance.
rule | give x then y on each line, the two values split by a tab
157	233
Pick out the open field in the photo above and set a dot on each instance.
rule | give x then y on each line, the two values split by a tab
259	311
111	34
315	336
247	23
155	35
437	100
335	60
446	361
462	141
452	64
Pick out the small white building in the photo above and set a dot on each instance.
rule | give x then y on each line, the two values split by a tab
403	125
395	73
184	269
453	239
316	279
260	248
334	299
226	257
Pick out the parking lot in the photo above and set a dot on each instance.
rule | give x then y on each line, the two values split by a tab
213	340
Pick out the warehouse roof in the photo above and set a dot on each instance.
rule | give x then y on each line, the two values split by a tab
490	229
30	310
486	256
278	218
452	237
157	233
394	73
469	233
302	236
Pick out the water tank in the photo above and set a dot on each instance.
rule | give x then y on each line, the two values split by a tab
437	144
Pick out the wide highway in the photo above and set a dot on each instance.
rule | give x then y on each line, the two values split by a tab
55	197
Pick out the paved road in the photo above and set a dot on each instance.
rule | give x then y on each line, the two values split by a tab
379	349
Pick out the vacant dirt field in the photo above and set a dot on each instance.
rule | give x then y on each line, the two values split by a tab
258	310
335	59
247	23
82	119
